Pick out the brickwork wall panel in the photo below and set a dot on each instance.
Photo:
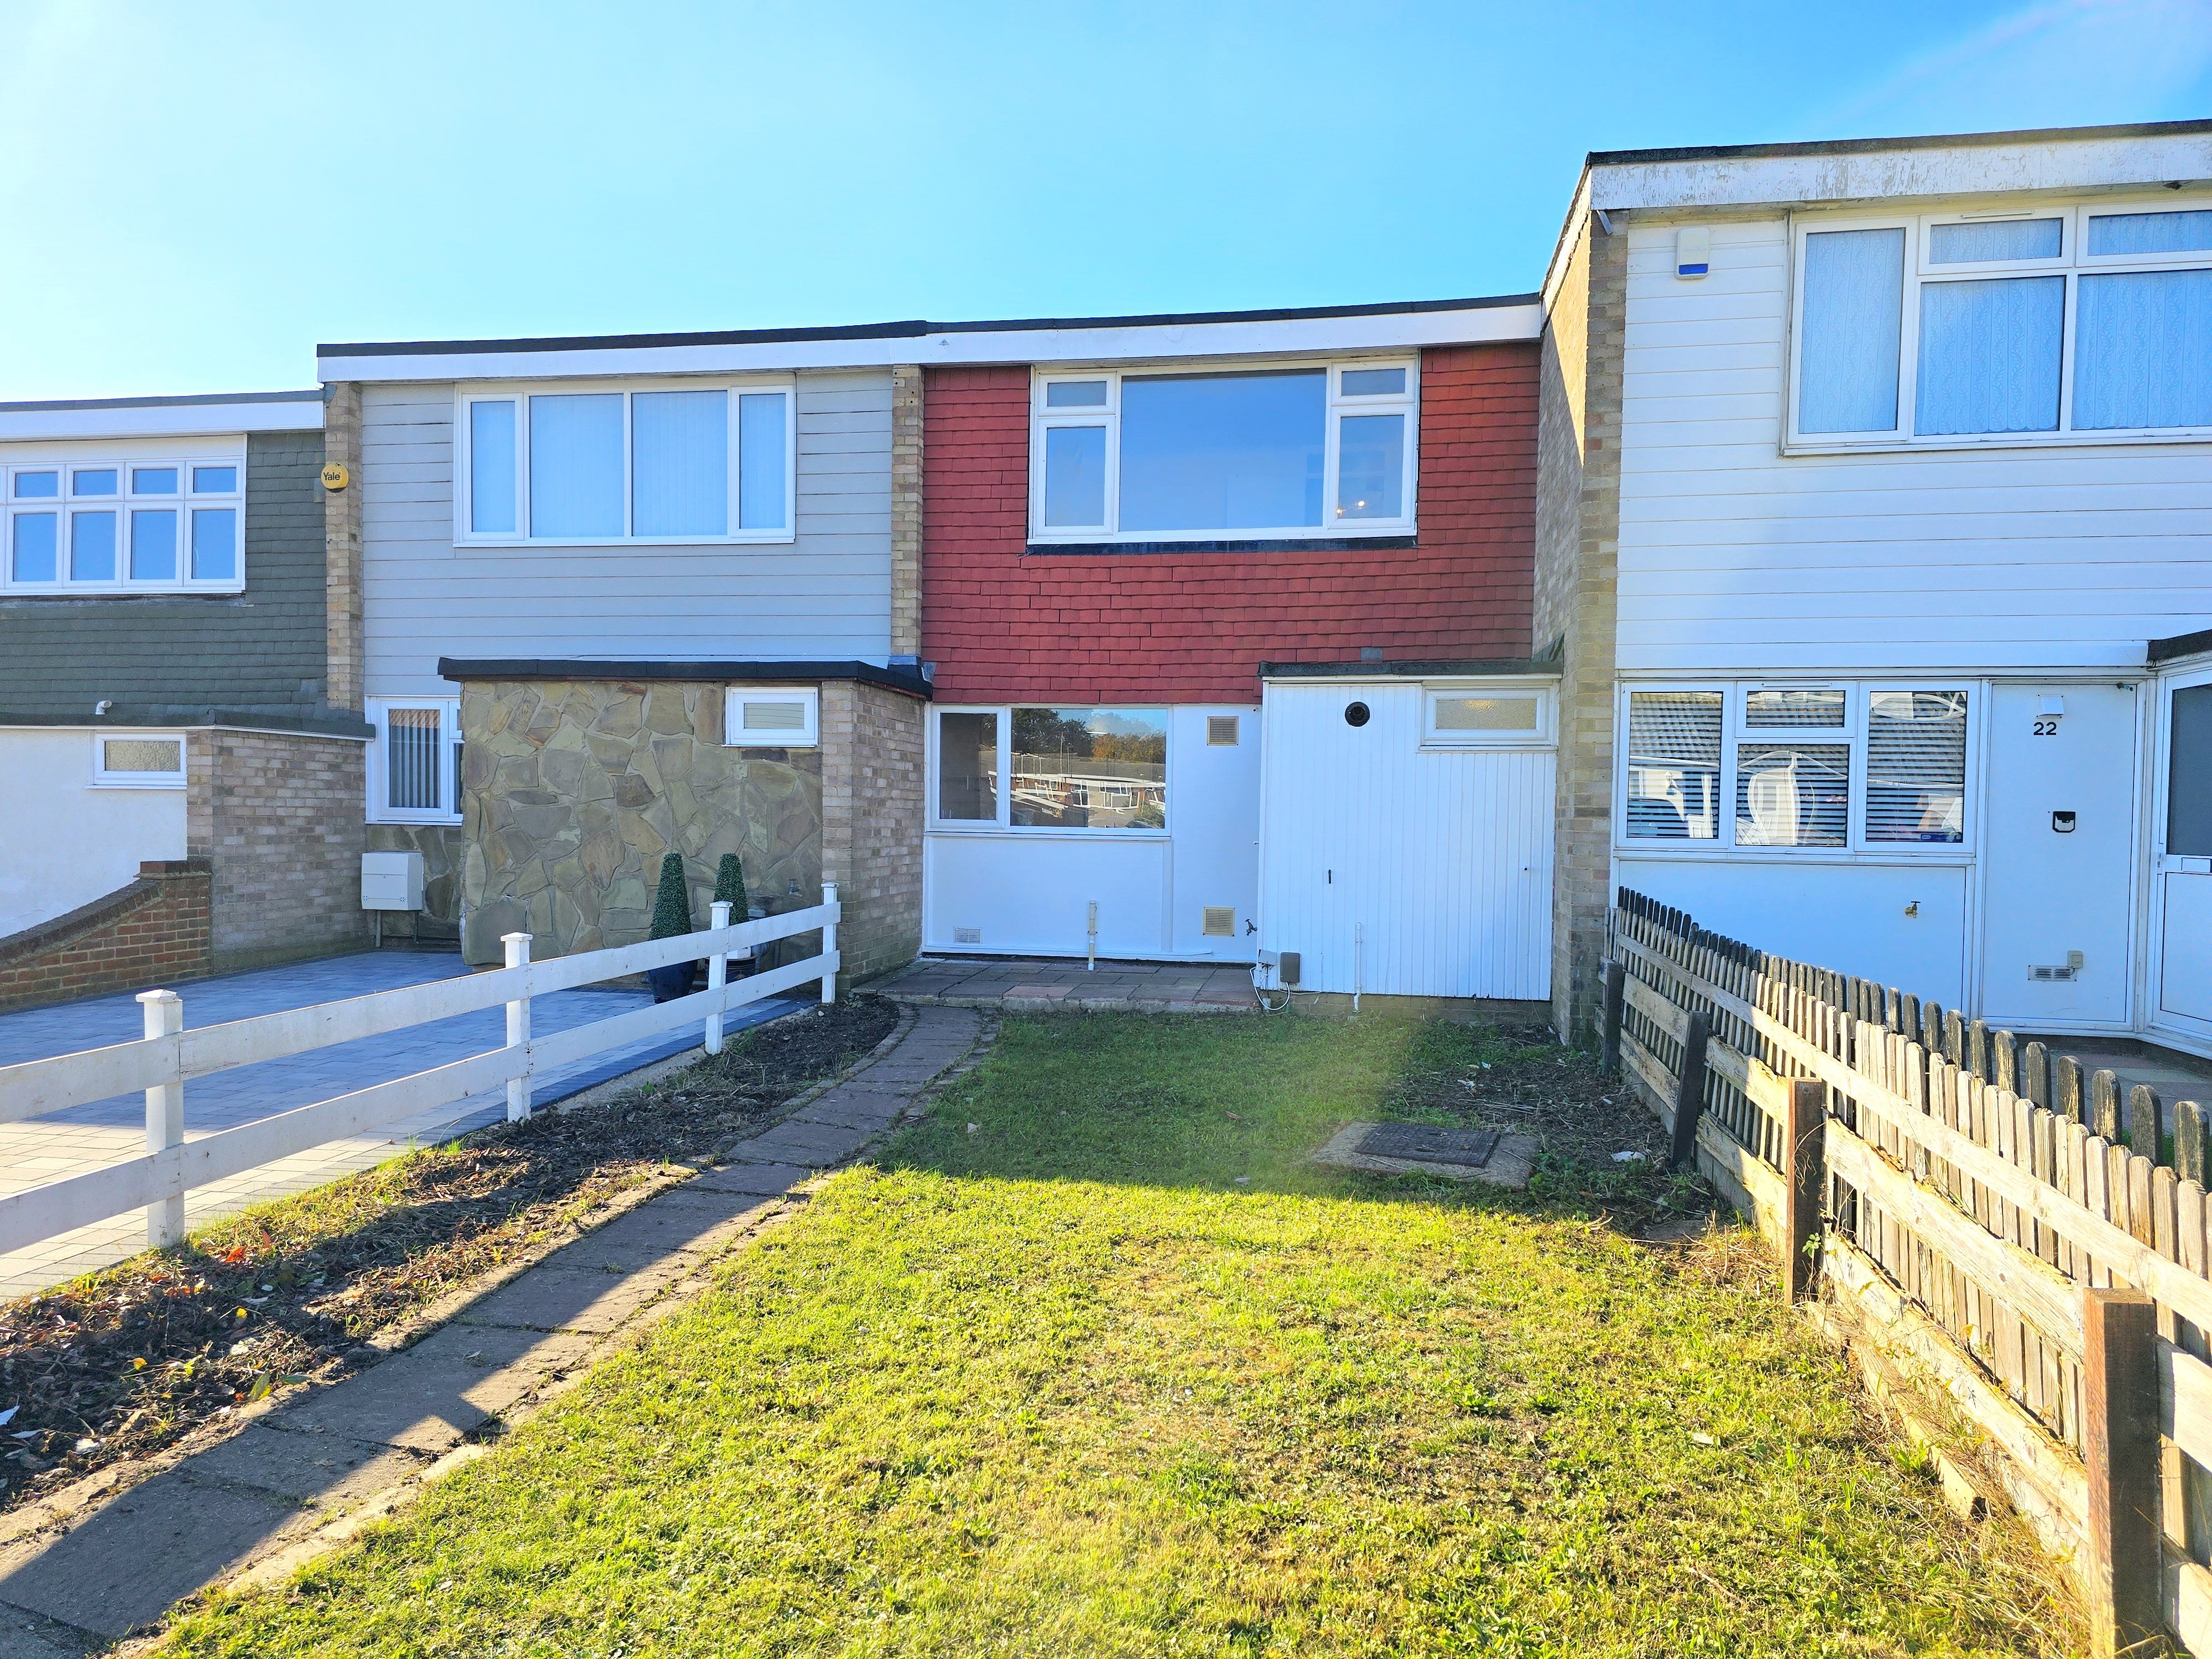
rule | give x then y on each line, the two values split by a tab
1001	622
871	821
277	816
153	932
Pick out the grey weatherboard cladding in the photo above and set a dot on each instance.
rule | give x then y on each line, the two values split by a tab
190	658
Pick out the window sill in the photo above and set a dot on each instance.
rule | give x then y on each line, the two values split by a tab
453	823
1042	832
90	590
1952	444
137	783
1943	853
1337	542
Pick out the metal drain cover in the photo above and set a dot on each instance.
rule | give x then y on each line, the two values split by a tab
1428	1142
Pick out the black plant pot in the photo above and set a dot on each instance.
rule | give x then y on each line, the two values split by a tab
672	982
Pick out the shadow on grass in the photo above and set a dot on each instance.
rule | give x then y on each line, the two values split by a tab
1239	1103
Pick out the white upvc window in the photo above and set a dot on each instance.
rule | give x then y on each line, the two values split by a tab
138	760
772	717
1797	769
94	525
415	760
1064	770
1260	452
1485	717
659	463
2089	322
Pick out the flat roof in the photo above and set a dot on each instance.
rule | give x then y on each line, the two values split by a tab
1606	158
898	678
195	414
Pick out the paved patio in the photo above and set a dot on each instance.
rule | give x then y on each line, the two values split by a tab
1036	984
40	1150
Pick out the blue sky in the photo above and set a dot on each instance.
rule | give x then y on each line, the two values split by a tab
192	196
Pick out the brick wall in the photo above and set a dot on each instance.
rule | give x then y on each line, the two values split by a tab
906	509
153	932
277	817
1001	622
1577	589
871	812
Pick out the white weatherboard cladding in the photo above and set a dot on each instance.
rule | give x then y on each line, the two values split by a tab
1736	558
825	595
63	842
1442	859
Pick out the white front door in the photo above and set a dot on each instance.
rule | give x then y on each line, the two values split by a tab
2181	876
2059	855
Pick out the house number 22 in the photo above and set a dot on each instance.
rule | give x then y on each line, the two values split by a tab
2046	728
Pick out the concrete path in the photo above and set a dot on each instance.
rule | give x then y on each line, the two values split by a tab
307	1471
1036	984
44	1149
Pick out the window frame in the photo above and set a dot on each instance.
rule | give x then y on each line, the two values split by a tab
1544	736
103	778
2072	263
735	697
1003	824
1336	405
519	392
1858	696
376	711
66	506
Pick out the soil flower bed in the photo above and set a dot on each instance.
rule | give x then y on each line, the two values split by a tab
121	1364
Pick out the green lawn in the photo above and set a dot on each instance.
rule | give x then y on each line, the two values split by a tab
1059	1382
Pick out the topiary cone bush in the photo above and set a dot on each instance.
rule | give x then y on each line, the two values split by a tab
730	886
671	917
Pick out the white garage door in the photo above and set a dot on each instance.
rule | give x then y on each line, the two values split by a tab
1405	836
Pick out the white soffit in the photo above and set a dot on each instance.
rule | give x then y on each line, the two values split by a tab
162	417
1137	340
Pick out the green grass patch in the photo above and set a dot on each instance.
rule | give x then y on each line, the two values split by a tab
1116	1371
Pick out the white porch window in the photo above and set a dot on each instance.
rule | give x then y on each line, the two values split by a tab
415	760
138	760
772	717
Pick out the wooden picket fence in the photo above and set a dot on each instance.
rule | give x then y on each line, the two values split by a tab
1965	1203
169	1056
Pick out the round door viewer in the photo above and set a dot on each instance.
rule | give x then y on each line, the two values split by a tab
1355	714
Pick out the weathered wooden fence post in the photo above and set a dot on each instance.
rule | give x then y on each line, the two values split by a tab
165	1116
1805	1181
1616	996
2119	1437
1689	1095
2066	1088
718	972
2105	1105
518	1028
2189	1139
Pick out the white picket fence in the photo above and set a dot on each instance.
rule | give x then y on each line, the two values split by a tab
169	1057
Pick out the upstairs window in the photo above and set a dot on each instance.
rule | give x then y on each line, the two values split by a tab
670	462
415	760
100	525
1274	451
2014	325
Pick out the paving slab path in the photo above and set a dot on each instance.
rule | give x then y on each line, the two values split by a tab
87	1568
1039	985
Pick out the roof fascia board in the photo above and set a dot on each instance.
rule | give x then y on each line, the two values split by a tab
1521	319
149	417
1900	173
1562	249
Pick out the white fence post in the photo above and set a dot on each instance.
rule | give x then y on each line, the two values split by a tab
165	1116
518	1028
829	944
718	973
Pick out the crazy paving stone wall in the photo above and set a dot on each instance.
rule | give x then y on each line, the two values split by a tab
572	790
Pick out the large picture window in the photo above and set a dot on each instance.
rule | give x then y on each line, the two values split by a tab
1091	769
95	525
1832	768
592	464
415	760
1277	452
2020	325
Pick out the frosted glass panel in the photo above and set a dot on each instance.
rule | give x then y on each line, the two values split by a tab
2001	238
2143	350
1989	355
491	469
576	464
1853	320
763	465
680	462
1371	467
154	544
1223	451
2150	232
92	547
37	548
214	544
1075	477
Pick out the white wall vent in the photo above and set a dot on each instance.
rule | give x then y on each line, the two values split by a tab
967	936
772	717
1221	731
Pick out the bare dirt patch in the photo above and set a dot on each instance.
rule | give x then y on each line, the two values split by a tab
121	1364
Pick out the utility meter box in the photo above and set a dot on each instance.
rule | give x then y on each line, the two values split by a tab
392	881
